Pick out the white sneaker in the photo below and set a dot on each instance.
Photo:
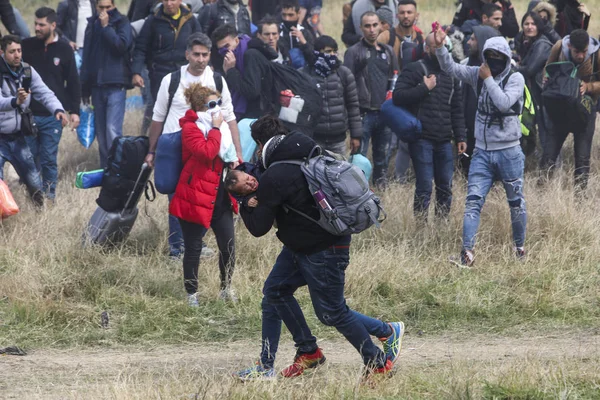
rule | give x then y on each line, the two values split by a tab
228	294
193	300
207	252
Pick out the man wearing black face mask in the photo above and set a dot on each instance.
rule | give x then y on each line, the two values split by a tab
295	38
498	154
340	99
436	98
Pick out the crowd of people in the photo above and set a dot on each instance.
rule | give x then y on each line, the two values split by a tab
205	69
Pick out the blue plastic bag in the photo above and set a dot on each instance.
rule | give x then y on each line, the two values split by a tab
134	103
167	162
85	131
363	163
402	122
248	144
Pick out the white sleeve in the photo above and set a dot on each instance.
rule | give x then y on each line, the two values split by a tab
227	105
159	113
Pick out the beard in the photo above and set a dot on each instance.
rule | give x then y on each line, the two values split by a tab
41	35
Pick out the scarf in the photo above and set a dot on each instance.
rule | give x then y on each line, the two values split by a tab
325	64
204	123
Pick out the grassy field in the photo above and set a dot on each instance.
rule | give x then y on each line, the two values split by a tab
52	293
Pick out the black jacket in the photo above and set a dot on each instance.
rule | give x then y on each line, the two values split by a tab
162	42
349	35
67	17
472	9
56	66
140	9
8	17
440	110
569	17
256	83
214	15
533	60
260	8
287	42
285	184
340	106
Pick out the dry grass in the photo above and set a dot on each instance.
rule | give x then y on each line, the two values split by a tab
52	291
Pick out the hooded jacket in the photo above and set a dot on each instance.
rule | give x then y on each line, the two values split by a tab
285	184
161	45
491	133
340	106
473	9
10	119
549	31
362	6
200	179
214	15
439	110
560	52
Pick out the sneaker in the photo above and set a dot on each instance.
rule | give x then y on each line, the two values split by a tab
207	252
393	343
372	376
228	294
257	372
303	362
466	260
520	253
193	300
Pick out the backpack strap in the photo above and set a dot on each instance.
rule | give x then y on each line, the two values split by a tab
173	86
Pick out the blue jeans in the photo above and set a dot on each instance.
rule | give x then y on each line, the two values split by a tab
109	112
486	167
176	247
44	148
374	129
402	159
14	149
324	274
432	161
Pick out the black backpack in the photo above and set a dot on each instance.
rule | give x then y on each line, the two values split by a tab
125	160
562	97
285	77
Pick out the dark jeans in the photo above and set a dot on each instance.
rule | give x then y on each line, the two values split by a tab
193	234
14	149
582	148
44	148
109	113
375	130
432	161
324	274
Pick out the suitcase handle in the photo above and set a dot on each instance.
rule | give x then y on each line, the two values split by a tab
137	181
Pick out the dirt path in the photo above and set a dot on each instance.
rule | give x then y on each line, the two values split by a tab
52	369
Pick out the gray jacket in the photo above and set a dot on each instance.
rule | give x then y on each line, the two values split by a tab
491	133
10	119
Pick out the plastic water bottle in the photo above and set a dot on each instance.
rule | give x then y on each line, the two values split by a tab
391	85
322	201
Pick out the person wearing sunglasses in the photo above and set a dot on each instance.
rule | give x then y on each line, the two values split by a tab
200	201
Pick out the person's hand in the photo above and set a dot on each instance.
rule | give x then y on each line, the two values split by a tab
137	80
484	71
103	17
462	147
62	117
252	202
149	160
583	9
430	81
85	100
499	4
297	33
440	37
234	164
229	61
74	121
583	89
240	156
217	120
73	45
21	96
354	145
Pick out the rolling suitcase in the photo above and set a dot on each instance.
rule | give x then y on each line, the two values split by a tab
112	227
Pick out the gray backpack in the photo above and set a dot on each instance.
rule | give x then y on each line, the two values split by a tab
349	206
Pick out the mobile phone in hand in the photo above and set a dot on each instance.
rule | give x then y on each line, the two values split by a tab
26	83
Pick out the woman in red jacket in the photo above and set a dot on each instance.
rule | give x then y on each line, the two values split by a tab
200	200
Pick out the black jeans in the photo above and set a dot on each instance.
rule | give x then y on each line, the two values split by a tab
222	226
582	147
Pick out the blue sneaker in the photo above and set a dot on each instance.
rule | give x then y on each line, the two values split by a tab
393	343
257	372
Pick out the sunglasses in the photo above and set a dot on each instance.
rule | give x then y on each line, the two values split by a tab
213	103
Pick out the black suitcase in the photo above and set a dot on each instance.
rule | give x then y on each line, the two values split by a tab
112	227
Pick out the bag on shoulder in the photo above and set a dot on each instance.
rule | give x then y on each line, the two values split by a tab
562	96
28	125
125	160
341	190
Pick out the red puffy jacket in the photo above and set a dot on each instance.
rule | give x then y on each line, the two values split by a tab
196	192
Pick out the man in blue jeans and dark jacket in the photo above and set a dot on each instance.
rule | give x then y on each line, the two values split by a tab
106	72
310	256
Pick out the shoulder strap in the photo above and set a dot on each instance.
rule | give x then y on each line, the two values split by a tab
218	78
173	86
423	67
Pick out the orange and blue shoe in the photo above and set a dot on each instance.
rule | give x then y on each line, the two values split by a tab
303	362
393	343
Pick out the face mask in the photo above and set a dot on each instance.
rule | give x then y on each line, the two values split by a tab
496	65
223	51
290	24
325	63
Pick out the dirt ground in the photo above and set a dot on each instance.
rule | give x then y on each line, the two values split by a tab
48	373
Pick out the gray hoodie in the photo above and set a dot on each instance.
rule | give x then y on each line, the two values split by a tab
491	134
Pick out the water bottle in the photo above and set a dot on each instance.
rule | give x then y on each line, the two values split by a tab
391	85
322	201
